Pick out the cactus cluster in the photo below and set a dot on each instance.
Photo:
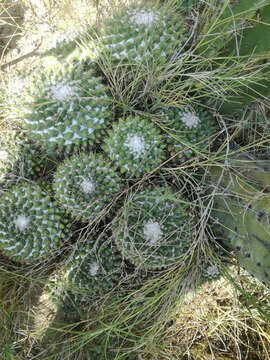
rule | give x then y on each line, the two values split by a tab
66	108
85	184
32	227
135	145
144	33
68	112
155	228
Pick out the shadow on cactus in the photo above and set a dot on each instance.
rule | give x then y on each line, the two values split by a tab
32	227
93	269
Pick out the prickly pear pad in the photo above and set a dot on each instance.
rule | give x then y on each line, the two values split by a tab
31	225
186	128
67	108
154	230
85	184
135	145
143	33
92	270
244	228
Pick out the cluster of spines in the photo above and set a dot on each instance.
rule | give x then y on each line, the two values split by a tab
154	229
135	145
85	184
32	226
67	108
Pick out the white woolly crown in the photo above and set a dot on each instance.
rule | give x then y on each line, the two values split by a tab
190	119
152	231
136	144
94	269
144	17
62	91
22	222
87	186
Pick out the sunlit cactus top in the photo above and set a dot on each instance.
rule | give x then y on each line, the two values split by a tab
135	145
155	228
66	109
32	227
143	33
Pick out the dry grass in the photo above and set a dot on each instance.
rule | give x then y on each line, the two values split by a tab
216	323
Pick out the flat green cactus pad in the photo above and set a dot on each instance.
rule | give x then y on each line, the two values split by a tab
245	229
143	33
186	129
135	145
242	215
155	229
85	184
32	227
66	109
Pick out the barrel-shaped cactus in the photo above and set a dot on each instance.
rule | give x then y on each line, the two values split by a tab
135	145
187	131
32	227
66	108
154	230
21	158
92	270
85	185
143	33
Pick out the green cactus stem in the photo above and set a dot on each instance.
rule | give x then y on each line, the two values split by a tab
186	129
154	230
85	185
135	145
144	33
32	227
92	270
66	109
242	215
